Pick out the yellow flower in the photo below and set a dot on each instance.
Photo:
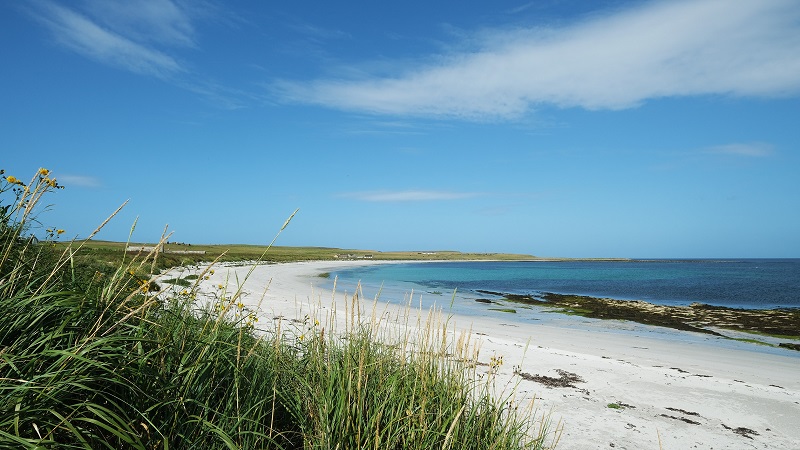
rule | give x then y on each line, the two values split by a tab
495	362
44	172
211	271
59	231
219	286
14	180
302	336
240	305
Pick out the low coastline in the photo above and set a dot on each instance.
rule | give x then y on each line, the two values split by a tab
632	390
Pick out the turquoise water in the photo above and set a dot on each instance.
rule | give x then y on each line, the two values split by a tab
741	283
454	287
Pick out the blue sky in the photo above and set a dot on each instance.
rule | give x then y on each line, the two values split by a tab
555	128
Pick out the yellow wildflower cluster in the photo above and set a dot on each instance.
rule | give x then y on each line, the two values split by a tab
55	231
222	305
225	304
144	285
251	320
44	175
495	362
188	294
11	179
310	329
28	195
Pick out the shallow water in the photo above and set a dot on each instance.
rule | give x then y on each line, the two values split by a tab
454	286
741	283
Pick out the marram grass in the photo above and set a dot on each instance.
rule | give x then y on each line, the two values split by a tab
94	357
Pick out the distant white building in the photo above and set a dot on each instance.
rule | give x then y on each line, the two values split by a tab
161	249
144	248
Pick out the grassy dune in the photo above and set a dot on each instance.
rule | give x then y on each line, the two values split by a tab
93	355
182	254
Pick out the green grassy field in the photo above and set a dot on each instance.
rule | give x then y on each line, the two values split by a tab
107	255
112	253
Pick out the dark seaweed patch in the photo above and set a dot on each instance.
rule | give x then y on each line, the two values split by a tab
682	419
565	379
742	431
697	317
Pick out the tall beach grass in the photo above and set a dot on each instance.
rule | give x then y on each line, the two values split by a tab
96	357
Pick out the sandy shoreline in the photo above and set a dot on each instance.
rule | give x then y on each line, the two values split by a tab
672	393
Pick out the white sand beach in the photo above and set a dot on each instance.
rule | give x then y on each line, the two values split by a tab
664	392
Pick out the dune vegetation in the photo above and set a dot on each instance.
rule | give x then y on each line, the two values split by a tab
96	355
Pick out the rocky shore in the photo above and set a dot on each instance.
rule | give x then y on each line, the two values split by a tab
697	317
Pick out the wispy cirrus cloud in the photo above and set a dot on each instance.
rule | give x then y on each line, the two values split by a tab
614	61
751	149
79	180
110	41
161	22
409	196
140	36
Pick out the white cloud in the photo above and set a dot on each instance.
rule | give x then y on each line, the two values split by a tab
753	149
84	36
616	61
157	21
409	196
78	180
140	36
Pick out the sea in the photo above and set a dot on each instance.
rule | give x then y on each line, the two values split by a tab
454	287
736	283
